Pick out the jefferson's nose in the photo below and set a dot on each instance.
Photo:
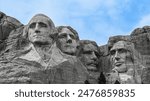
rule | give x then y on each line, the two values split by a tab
69	40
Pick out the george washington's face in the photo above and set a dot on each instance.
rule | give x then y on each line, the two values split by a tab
39	30
120	56
67	42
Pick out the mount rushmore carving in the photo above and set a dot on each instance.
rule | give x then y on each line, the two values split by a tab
42	53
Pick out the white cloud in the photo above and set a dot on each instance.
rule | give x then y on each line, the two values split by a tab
86	16
145	20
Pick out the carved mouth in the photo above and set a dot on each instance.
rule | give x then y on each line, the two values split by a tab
93	64
69	46
38	36
118	63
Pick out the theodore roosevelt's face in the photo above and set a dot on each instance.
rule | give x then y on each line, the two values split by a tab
90	56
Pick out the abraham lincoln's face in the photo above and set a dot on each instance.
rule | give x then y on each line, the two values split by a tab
120	56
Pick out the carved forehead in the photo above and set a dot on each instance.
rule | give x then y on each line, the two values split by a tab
68	28
42	18
88	45
122	45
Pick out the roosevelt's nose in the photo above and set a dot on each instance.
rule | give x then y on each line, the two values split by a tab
93	56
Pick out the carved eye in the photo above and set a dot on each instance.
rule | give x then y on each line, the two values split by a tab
32	25
42	24
122	50
112	52
62	35
72	36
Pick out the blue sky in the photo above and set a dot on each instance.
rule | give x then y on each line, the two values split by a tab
95	20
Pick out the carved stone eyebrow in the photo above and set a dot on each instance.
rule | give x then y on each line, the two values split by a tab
62	35
112	52
32	25
42	24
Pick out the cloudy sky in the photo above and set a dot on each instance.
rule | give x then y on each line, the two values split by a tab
93	19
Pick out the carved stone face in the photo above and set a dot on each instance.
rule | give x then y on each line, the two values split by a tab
67	41
90	56
39	30
120	56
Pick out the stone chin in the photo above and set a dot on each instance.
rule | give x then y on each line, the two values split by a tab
91	68
122	68
41	40
69	50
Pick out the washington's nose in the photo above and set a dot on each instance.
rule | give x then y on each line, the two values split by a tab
69	40
37	28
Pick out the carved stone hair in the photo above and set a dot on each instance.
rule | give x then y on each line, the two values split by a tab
50	22
59	29
86	42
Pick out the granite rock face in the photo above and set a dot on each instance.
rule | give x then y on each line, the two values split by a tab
138	64
27	62
141	38
142	42
7	24
32	55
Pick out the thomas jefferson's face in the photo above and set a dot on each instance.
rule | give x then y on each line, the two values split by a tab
39	30
67	42
90	56
120	56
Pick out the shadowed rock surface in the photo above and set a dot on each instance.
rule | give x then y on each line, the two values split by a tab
105	59
141	38
7	24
